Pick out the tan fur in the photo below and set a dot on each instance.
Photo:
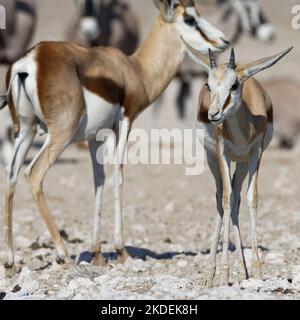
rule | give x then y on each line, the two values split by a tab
257	107
107	72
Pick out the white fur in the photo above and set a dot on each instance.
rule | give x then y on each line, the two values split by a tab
28	65
193	37
100	114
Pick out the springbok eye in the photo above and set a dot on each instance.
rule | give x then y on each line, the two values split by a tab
207	86
189	20
235	86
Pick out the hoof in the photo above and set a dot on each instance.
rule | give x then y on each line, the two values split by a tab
208	282
122	255
256	269
10	270
99	260
62	259
209	277
224	275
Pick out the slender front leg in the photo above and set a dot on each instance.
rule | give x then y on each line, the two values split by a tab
99	179
237	182
122	132
211	270
227	203
252	199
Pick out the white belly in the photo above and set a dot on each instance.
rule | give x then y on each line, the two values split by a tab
100	114
241	151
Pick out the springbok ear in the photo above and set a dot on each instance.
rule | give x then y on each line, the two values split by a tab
197	57
253	68
166	8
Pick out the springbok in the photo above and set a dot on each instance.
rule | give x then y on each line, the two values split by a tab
236	115
105	23
73	92
14	40
248	18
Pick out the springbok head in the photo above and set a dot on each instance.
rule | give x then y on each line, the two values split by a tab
192	27
89	13
225	81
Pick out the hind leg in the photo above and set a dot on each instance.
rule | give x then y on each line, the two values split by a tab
22	145
55	144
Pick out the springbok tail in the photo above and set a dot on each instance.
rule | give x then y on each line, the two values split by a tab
4	99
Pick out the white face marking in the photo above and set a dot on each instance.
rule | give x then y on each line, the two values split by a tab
199	33
223	85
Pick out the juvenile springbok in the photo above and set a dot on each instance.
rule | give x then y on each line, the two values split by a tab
73	92
236	115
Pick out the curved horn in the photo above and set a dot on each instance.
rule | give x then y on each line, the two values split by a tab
212	58
231	64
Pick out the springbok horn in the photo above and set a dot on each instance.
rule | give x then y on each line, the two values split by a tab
231	64
212	58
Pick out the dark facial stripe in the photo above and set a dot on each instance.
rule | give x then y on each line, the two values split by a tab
205	37
227	103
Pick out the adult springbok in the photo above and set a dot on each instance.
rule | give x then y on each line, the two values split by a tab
236	115
73	92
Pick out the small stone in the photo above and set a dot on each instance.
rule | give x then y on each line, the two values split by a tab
252	284
80	283
65	294
31	286
182	264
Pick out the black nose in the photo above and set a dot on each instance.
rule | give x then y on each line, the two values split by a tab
226	41
214	114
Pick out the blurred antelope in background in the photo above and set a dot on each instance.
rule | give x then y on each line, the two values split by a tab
240	17
73	92
14	40
236	114
105	23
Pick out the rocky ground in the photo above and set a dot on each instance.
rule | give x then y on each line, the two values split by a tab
168	224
